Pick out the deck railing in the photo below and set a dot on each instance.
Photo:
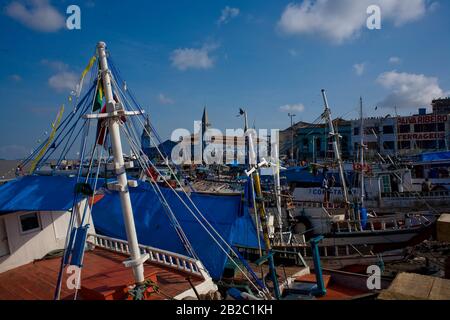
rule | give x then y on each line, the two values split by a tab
416	195
384	224
157	256
317	204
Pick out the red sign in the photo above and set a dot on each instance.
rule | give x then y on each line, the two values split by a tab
421	136
426	119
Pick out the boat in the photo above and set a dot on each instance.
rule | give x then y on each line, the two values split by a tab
352	233
50	246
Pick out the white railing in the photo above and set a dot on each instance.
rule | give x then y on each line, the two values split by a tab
157	256
417	195
409	221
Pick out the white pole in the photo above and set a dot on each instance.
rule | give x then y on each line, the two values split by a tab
362	153
114	132
276	176
336	147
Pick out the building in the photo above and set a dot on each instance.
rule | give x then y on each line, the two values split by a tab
379	137
422	132
211	146
441	106
392	136
312	142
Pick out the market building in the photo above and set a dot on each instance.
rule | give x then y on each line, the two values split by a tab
386	136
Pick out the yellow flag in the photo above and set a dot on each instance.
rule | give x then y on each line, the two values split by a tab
83	75
55	126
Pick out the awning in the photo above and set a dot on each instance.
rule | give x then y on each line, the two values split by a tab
37	193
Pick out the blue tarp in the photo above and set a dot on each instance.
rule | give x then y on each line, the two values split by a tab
436	156
153	226
227	214
37	193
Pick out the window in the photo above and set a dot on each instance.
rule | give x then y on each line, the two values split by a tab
372	145
305	143
388	129
372	131
356	131
389	145
406	128
29	222
404	145
386	184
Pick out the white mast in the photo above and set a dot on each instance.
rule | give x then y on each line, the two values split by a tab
327	116
362	147
137	259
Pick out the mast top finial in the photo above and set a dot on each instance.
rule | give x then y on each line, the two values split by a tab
101	44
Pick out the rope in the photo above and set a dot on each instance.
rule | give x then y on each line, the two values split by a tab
205	228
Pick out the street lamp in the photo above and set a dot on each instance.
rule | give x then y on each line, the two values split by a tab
292	133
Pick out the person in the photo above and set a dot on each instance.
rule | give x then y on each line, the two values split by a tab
426	185
326	190
19	171
333	182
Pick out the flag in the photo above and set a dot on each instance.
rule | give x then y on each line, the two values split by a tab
98	97
101	129
50	143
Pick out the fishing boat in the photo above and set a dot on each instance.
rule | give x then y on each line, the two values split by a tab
352	235
188	233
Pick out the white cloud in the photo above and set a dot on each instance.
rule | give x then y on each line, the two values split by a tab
341	20
190	58
409	90
395	60
163	99
359	68
299	107
64	80
38	15
228	13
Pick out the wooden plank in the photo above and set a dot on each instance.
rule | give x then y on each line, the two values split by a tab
409	286
37	280
443	228
440	290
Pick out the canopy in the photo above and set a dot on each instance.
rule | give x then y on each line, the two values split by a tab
435	156
37	193
225	213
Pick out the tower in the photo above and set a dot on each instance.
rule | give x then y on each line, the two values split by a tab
205	126
145	137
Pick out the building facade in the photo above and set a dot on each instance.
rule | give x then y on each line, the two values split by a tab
312	142
379	136
385	136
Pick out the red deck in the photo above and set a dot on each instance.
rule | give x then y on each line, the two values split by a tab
334	291
37	280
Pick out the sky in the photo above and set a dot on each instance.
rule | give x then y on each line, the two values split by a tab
271	58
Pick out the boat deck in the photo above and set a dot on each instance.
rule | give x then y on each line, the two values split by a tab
37	280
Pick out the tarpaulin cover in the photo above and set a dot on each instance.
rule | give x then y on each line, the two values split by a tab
37	193
224	213
435	156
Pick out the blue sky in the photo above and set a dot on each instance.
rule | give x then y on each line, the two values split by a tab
270	57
